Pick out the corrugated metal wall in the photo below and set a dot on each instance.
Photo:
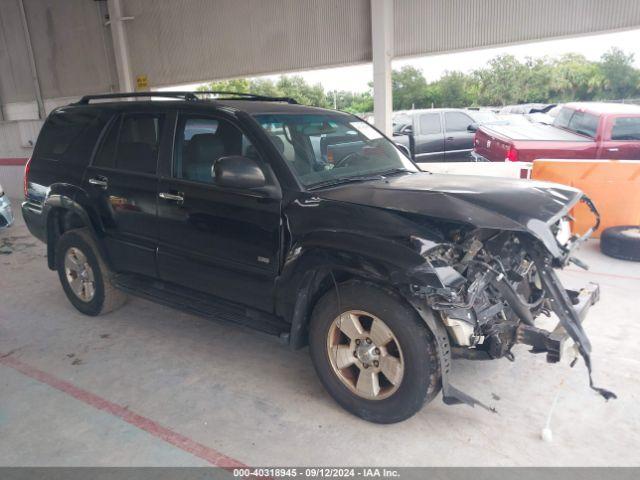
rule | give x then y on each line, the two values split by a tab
72	49
176	41
181	41
432	26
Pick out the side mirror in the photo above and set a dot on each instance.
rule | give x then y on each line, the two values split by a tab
236	171
408	130
473	127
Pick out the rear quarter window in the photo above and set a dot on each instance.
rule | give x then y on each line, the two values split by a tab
626	128
69	135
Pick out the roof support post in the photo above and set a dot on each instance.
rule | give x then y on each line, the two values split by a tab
32	62
120	45
382	53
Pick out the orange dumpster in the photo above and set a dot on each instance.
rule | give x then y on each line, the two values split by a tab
613	185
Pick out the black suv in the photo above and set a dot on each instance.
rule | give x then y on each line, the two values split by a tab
308	224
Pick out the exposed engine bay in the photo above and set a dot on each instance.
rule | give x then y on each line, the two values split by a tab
493	287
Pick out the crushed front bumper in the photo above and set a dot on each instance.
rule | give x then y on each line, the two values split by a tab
558	341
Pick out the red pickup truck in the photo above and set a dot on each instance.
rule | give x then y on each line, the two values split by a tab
580	131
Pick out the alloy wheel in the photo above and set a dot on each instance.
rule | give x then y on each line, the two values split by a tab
365	355
79	274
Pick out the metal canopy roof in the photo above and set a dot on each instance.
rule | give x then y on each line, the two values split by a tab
181	41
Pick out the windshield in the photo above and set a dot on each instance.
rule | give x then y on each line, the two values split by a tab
329	148
400	122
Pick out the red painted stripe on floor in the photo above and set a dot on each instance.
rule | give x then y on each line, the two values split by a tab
603	274
177	440
13	161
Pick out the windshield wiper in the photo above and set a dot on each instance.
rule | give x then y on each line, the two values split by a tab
392	171
360	178
340	181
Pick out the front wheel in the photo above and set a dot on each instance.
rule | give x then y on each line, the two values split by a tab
373	354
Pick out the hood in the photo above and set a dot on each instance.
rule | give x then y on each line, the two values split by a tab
483	202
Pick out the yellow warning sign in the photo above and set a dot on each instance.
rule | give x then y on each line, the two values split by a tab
142	83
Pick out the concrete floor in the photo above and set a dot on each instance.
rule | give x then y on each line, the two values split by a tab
151	386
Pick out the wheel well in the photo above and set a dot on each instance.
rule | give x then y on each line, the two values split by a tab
325	283
59	221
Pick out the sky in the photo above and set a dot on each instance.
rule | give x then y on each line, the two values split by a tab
356	78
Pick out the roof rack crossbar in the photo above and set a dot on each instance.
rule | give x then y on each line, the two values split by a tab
189	96
105	96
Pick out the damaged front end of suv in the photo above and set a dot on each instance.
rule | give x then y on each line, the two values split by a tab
475	257
489	286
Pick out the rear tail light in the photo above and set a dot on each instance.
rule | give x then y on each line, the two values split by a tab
512	155
25	184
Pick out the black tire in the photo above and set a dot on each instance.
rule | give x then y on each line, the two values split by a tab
106	297
421	381
621	242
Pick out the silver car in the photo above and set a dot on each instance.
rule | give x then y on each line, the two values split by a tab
6	215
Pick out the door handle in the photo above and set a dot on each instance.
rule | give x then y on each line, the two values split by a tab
613	149
449	138
172	197
101	182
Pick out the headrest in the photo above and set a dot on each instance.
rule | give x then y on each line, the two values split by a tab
204	148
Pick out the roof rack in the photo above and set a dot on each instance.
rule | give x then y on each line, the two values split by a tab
247	96
105	96
189	96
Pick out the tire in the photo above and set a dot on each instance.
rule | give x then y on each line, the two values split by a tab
621	242
105	297
416	350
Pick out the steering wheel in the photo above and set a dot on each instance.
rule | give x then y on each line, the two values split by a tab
345	160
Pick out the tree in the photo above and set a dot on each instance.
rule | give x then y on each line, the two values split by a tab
240	85
621	80
409	86
575	78
505	80
453	90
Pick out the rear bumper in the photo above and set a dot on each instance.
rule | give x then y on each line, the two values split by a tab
6	214
478	158
35	220
557	342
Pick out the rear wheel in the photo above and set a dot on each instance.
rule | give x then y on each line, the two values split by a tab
84	276
373	353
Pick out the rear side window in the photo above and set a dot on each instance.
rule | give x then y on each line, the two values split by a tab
430	123
626	128
69	135
457	122
132	143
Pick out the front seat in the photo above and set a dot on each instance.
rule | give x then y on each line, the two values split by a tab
203	150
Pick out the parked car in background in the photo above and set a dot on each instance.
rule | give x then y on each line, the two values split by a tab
527	108
6	214
532	112
440	134
585	130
